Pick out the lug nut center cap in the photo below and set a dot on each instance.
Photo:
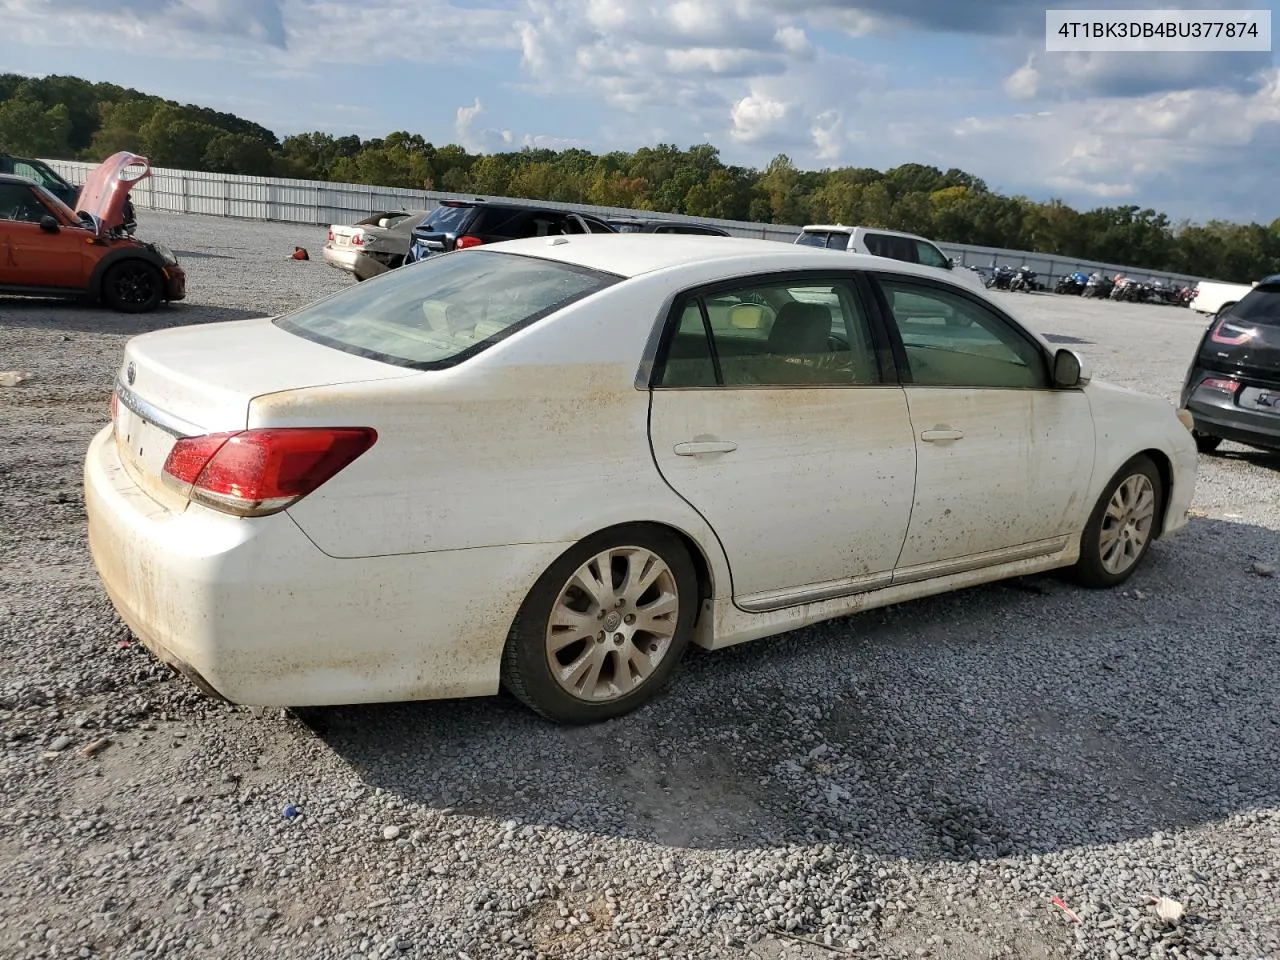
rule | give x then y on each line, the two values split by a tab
613	621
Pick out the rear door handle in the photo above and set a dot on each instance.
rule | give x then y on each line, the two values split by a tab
940	434
693	448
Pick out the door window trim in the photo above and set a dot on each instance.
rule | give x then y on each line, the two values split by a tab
881	305
653	360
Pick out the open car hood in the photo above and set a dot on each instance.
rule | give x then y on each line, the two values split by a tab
105	191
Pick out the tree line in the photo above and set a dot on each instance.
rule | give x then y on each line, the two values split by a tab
60	117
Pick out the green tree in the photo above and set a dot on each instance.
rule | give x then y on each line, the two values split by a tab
28	129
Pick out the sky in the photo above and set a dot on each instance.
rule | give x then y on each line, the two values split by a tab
874	83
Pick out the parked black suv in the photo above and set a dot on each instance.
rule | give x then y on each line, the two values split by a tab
47	177
458	224
657	225
1233	385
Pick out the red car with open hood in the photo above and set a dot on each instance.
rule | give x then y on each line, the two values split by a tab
49	250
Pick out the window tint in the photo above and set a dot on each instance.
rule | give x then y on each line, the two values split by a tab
838	241
18	202
808	239
802	333
952	341
446	219
596	226
689	362
929	255
443	308
887	245
1261	306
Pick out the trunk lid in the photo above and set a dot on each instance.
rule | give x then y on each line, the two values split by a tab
201	379
105	192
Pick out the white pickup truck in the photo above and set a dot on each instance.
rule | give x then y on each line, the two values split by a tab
1214	298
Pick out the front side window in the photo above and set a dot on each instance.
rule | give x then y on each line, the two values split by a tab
19	202
772	334
444	309
952	341
930	255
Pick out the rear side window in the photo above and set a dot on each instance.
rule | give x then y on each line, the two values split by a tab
1260	306
929	255
894	248
444	309
446	219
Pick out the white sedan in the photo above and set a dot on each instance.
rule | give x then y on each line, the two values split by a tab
551	464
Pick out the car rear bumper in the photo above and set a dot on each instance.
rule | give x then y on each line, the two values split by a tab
1218	415
253	611
343	258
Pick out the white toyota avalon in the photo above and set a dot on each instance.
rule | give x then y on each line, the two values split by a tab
551	464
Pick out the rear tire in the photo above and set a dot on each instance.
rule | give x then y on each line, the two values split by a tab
1121	527
1206	443
604	627
132	286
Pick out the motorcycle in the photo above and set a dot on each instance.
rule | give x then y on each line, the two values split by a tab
1024	280
1098	287
1001	277
1073	284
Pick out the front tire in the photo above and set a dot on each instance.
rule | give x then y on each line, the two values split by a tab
604	627
1123	524
132	286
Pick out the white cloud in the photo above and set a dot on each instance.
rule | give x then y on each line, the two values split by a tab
1023	83
793	40
756	117
828	135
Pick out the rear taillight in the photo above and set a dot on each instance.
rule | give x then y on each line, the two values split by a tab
357	239
467	240
252	473
1221	385
331	236
1232	334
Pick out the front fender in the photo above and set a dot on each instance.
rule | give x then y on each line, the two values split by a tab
116	255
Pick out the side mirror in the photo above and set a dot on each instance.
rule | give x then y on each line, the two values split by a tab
1069	370
49	224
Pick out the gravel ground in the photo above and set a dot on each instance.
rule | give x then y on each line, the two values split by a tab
918	781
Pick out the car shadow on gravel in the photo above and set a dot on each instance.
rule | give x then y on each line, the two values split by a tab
1018	718
70	316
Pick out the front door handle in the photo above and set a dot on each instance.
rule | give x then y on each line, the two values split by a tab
693	448
941	434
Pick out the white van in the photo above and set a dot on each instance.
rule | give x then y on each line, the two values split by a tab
885	243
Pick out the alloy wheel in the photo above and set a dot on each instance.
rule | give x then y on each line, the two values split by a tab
612	624
1126	524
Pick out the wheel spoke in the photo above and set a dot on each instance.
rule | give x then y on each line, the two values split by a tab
583	674
591	577
568	627
658	617
643	570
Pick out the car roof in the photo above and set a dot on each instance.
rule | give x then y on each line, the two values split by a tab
846	228
634	254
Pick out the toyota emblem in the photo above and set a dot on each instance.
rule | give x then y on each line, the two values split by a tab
130	374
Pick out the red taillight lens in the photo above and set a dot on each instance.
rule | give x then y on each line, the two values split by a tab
467	240
1232	334
252	473
1229	387
331	236
357	239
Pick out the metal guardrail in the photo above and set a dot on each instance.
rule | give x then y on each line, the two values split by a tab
319	203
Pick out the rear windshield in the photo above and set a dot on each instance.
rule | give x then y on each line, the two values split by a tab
1261	305
446	219
808	239
444	309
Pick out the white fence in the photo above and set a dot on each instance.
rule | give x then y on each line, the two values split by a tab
319	203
